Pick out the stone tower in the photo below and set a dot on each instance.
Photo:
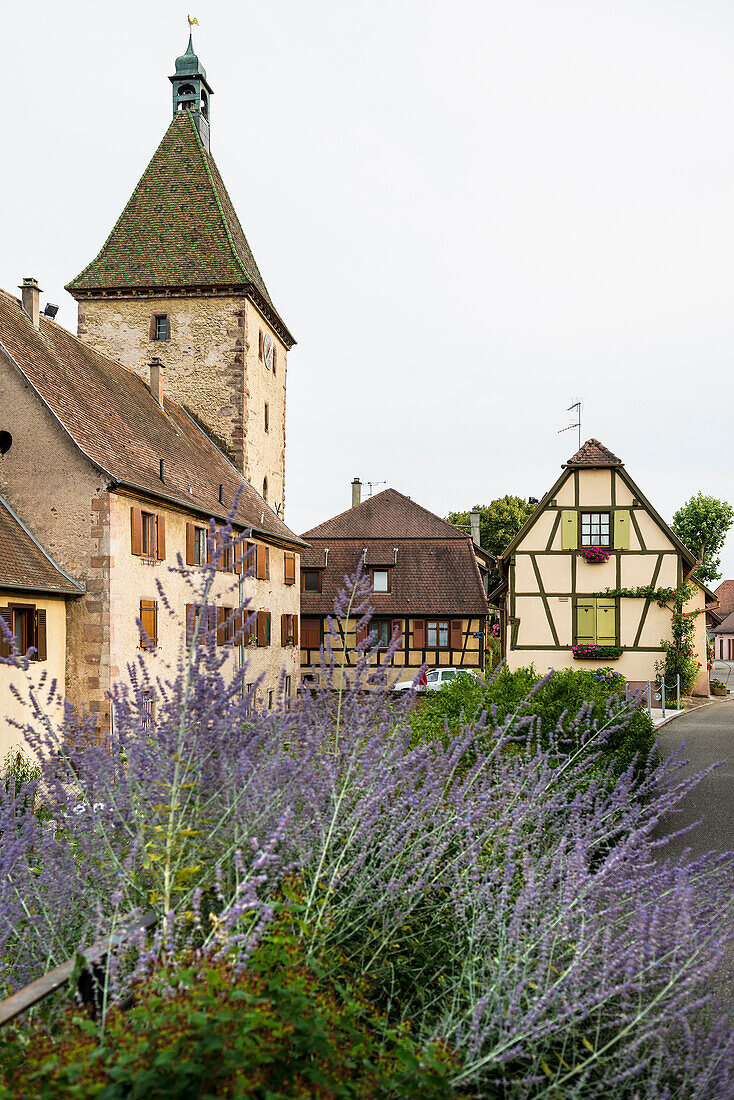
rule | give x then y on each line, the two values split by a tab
176	279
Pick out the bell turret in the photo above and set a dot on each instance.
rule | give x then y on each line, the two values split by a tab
191	90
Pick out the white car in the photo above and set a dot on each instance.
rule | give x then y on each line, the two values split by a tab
436	678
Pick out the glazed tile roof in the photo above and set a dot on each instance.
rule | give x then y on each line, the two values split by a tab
179	228
113	418
24	564
434	569
386	515
594	453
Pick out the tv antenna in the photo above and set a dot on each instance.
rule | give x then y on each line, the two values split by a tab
577	406
371	483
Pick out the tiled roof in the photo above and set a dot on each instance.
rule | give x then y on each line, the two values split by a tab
386	515
112	416
430	577
24	564
594	453
179	228
725	595
727	626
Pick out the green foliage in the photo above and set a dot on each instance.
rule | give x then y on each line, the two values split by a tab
499	521
284	1028
701	524
680	656
17	769
559	700
643	592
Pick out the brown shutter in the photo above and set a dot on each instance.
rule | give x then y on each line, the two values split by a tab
457	633
40	643
238	549
149	622
284	629
151	327
6	647
267	563
289	568
190	543
295	630
362	632
419	633
221	627
261	563
397	631
136	520
262	628
160	526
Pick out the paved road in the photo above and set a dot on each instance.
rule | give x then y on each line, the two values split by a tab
724	670
708	735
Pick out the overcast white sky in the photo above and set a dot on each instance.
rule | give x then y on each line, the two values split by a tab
468	214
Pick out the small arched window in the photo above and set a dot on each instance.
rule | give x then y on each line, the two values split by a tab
204	104
6	442
265	488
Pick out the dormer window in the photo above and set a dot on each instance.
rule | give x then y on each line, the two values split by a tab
380	580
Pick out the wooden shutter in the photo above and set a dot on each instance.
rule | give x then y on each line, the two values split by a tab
261	564
397	630
221	625
457	633
152	327
40	643
621	529
606	620
295	630
189	623
6	647
585	619
190	543
419	633
569	530
238	550
289	568
136	520
262	628
284	629
362	633
160	528
149	622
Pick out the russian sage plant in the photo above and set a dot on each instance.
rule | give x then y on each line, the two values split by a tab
496	888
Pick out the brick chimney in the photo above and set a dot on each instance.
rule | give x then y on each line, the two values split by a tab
356	492
156	379
474	520
30	295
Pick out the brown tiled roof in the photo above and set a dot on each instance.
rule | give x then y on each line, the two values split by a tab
430	577
386	515
113	418
179	228
594	453
24	564
727	626
725	596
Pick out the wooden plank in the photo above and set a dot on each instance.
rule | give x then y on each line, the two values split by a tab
554	530
31	994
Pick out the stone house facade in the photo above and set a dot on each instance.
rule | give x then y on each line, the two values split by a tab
428	587
580	573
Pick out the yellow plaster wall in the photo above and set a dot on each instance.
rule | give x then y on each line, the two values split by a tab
538	535
638	570
595	578
133	578
622	493
565	495
654	536
54	668
534	628
555	572
595	489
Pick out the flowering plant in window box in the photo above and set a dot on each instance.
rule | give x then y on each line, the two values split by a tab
590	651
594	554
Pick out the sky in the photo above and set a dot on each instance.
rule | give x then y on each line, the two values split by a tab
470	215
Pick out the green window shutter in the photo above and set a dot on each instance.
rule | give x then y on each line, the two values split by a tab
585	620
606	620
621	529
569	530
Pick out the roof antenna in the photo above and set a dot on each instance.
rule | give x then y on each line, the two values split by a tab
578	405
371	483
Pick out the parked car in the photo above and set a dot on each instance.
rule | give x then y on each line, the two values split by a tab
435	678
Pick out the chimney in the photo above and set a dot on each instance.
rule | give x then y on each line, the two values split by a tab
474	519
156	379
30	294
356	492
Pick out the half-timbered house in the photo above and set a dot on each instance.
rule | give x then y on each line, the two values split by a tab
427	581
581	575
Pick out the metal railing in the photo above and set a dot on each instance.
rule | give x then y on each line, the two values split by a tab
91	978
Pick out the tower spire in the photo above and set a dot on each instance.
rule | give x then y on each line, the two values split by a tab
191	90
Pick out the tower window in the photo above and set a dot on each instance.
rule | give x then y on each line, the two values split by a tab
267	417
159	327
275	360
265	488
260	345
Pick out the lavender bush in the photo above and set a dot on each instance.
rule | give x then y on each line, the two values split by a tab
492	886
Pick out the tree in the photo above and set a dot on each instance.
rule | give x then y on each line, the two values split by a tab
701	524
499	521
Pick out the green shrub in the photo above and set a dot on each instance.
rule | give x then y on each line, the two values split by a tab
289	1026
559	700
